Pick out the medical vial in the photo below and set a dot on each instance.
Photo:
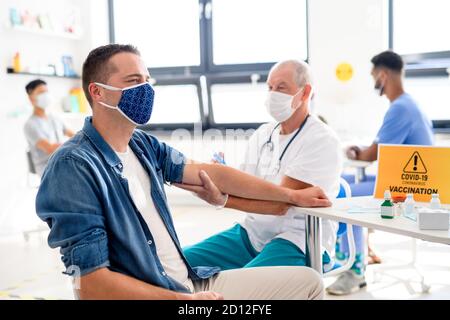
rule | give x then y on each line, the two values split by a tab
387	207
409	204
435	202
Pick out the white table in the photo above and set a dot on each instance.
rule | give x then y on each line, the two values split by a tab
360	167
339	212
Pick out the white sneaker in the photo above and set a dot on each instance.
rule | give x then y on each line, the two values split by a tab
348	282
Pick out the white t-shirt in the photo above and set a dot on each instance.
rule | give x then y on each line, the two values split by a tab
314	157
140	191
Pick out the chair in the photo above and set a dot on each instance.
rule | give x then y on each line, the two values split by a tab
32	171
345	192
31	166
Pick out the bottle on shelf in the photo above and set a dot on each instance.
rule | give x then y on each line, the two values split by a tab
387	207
435	202
17	65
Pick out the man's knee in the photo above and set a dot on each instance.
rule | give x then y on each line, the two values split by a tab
308	282
316	286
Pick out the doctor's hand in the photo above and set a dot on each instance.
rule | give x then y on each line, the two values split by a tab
207	192
310	197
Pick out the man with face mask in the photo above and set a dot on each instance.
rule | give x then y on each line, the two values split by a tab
295	151
44	132
404	122
103	196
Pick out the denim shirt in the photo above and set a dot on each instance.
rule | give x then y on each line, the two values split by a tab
85	200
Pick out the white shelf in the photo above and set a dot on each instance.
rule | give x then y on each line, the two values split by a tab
49	33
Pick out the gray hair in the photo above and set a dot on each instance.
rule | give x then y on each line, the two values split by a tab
302	71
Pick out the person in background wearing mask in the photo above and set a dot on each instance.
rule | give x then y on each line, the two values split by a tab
295	151
404	123
44	132
103	196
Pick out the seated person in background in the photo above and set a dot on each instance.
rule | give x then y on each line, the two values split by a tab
296	151
44	132
103	196
404	123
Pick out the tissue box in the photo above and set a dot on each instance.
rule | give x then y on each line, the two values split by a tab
433	219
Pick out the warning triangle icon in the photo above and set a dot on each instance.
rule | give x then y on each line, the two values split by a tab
415	164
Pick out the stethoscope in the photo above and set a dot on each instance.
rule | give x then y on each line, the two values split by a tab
270	146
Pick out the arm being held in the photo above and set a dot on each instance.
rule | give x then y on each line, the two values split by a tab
237	183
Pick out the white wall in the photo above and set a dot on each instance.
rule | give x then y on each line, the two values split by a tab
351	31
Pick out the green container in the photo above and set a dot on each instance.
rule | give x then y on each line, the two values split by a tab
387	207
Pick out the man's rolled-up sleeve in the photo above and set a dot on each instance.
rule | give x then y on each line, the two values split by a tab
170	160
69	201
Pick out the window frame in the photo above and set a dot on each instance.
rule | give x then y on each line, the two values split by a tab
168	81
423	65
249	67
231	79
214	74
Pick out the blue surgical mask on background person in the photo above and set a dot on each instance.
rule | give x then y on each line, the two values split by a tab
43	100
279	105
136	103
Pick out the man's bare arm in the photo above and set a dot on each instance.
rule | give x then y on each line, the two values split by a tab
267	207
104	284
364	154
47	147
69	133
237	183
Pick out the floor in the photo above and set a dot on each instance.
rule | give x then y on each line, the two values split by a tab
29	269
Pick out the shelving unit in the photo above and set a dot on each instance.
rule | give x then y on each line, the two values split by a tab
49	33
41	75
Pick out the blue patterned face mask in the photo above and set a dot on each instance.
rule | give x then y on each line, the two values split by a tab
136	103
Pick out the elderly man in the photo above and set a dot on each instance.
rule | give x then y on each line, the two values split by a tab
103	196
296	151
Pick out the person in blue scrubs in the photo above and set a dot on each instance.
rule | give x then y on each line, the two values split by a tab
404	123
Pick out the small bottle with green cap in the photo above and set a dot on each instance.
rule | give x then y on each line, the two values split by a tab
387	207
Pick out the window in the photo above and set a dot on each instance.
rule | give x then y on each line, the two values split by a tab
259	31
227	43
166	32
176	104
421	26
432	94
239	103
418	33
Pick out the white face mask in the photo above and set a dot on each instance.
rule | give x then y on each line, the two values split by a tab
43	100
279	105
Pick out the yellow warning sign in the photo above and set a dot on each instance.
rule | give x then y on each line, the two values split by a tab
420	170
415	164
